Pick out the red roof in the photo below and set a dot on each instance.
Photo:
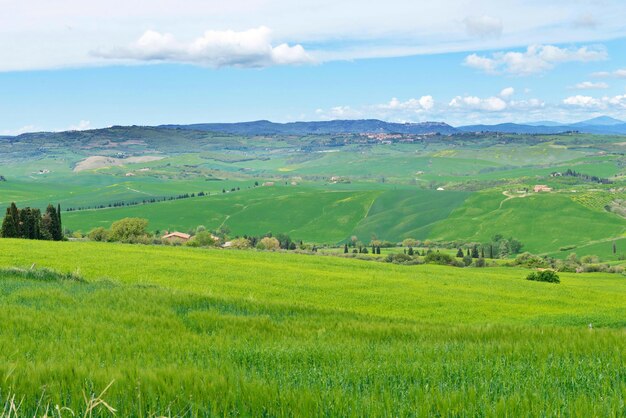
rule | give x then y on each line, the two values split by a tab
180	235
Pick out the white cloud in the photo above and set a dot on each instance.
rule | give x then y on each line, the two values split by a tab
394	109
507	92
483	26
536	59
489	104
60	34
250	48
621	73
339	112
590	85
424	103
83	125
19	131
597	103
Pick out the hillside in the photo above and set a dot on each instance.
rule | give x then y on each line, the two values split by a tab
331	336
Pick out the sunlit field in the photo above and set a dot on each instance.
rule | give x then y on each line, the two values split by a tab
181	331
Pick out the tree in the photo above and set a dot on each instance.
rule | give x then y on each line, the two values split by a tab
410	252
268	243
129	229
378	250
99	234
482	252
459	253
475	251
345	249
51	226
614	248
202	239
9	226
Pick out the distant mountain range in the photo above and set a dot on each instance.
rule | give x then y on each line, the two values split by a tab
264	127
599	125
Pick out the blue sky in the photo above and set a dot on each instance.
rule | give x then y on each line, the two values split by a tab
84	66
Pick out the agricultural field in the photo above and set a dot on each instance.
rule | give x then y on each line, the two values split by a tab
172	331
329	188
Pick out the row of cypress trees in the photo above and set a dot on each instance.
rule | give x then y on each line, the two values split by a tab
30	223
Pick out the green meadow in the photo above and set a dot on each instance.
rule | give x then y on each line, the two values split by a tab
194	332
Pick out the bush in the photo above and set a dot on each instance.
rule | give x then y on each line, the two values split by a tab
240	243
548	276
201	239
99	234
439	258
132	230
480	262
398	258
269	244
531	261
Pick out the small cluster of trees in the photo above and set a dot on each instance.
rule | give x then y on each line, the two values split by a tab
586	177
572	263
30	223
128	230
361	249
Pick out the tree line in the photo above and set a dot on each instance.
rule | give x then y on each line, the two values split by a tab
30	223
138	202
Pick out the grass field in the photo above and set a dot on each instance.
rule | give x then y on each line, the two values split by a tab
193	332
542	222
306	213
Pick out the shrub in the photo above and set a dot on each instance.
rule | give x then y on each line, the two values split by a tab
129	230
531	261
99	234
439	258
201	239
549	276
269	244
398	258
240	243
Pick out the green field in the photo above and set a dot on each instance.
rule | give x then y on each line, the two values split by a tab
343	185
211	332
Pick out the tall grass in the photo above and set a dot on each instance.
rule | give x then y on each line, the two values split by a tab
279	335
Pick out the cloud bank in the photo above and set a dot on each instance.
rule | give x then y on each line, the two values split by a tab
536	59
251	48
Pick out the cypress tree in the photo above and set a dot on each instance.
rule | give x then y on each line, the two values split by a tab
378	250
459	253
36	214
411	252
9	226
52	225
345	249
475	252
59	216
614	248
482	252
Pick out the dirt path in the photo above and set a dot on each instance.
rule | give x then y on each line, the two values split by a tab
510	196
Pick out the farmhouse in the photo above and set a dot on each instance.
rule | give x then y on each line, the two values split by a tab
177	236
542	188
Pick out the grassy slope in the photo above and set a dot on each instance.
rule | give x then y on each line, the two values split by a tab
184	330
320	215
400	214
543	222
